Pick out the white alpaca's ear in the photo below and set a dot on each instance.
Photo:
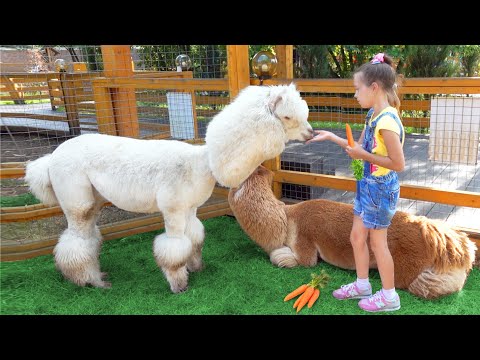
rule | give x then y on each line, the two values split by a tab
293	86
273	102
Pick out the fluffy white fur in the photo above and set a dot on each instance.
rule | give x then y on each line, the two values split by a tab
270	116
169	176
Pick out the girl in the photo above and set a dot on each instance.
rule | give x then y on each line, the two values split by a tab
381	148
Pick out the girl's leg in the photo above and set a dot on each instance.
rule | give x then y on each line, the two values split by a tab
379	245
358	238
357	290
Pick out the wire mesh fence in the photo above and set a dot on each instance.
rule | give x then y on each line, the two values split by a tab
97	91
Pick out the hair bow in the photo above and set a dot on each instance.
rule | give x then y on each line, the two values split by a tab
377	59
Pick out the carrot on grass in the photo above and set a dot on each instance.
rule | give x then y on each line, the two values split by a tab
313	298
350	140
305	297
296	292
298	300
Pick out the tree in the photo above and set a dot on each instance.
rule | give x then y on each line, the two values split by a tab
429	61
311	61
470	59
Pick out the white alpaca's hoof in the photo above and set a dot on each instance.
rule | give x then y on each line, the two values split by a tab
179	284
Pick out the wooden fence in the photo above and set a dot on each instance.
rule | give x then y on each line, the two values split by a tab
318	93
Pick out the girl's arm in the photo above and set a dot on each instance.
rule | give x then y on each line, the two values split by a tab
395	159
323	135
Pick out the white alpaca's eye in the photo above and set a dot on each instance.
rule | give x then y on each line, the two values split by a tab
287	118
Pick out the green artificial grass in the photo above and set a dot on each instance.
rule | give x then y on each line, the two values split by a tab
238	278
18	200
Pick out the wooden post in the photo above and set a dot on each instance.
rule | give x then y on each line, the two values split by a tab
52	81
275	165
70	101
117	63
238	68
104	109
284	55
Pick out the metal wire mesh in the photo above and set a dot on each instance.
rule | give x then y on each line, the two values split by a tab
441	150
41	107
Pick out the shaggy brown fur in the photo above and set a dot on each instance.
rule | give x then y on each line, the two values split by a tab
430	258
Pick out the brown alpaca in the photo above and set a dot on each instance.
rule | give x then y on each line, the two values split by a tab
430	258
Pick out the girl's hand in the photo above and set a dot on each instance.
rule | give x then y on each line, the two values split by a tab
321	136
356	152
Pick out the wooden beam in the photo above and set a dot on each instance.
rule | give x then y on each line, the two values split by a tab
414	192
165	84
118	64
109	232
284	55
238	68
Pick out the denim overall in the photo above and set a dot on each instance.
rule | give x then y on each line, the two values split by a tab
377	196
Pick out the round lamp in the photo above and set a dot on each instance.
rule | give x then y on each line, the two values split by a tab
183	62
59	65
264	64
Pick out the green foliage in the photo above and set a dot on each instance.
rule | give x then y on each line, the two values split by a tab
337	61
429	61
470	59
19	200
312	62
357	167
208	61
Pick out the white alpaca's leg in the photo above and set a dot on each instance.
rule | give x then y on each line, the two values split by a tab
76	253
172	249
195	231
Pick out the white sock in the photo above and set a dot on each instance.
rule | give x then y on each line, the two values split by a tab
389	294
363	284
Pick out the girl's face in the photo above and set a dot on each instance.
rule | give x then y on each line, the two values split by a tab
363	93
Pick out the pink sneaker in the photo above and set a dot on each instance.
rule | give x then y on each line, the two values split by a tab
351	291
378	302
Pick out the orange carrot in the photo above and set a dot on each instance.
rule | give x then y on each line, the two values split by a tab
309	292
350	140
296	292
298	300
314	298
305	297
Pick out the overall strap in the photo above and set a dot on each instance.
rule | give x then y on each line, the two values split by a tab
369	116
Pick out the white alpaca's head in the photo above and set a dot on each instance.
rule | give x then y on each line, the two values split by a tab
287	105
255	128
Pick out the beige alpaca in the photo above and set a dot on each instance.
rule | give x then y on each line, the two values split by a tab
431	259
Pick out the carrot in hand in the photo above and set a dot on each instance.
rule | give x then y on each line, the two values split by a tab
313	298
350	140
296	292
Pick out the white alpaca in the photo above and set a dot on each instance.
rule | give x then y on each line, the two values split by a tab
169	176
